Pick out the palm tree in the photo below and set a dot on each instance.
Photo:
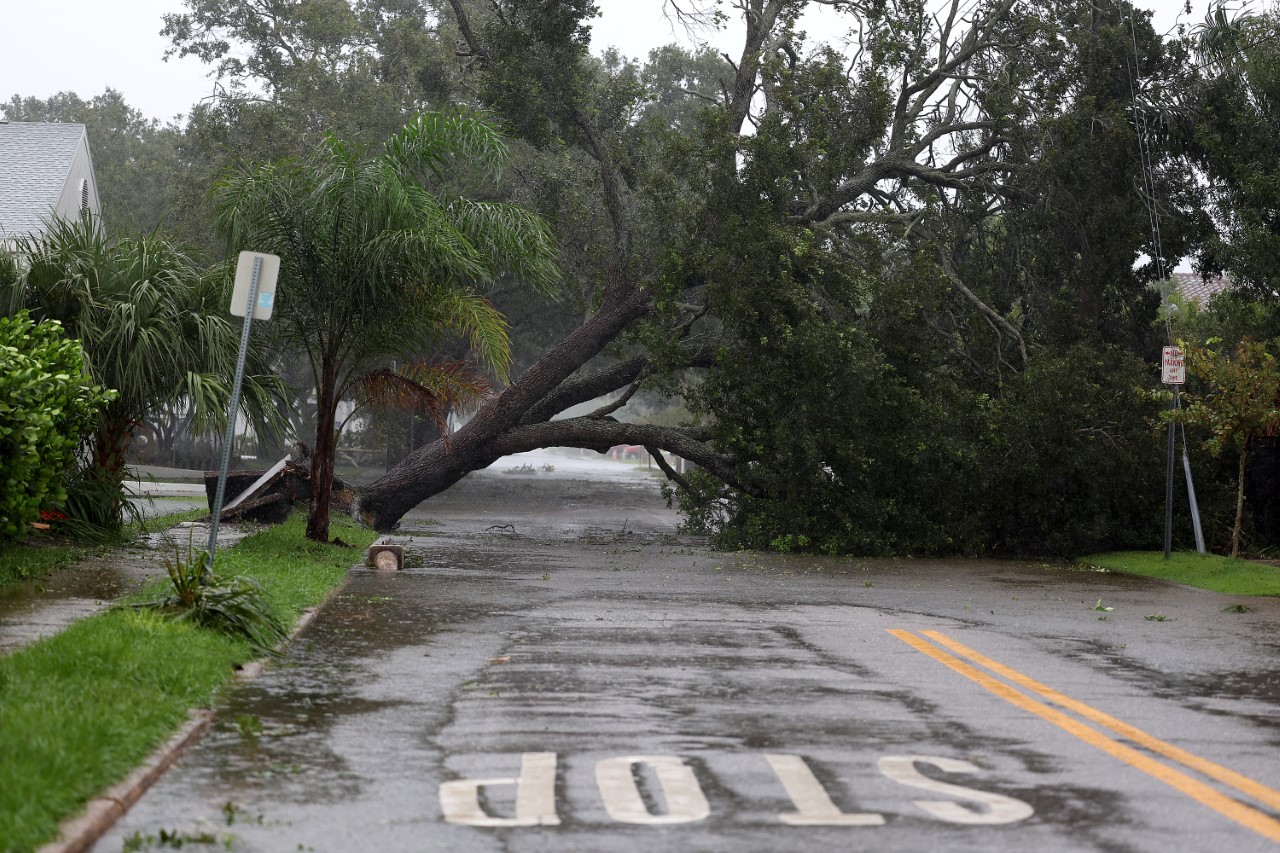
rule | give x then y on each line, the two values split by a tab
375	265
154	327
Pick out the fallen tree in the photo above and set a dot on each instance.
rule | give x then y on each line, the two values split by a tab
903	124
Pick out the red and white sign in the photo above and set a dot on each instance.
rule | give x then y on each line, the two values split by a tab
1173	369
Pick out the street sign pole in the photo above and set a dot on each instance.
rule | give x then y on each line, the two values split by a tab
1168	485
255	273
232	416
1173	371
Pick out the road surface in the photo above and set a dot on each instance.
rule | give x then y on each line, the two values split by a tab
558	670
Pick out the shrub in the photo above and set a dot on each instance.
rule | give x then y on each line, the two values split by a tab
47	403
238	605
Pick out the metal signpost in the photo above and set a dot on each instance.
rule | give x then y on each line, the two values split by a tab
255	286
1173	371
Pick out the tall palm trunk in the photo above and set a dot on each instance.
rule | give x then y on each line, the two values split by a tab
106	471
322	457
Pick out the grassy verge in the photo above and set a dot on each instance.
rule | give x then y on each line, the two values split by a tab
40	555
1207	571
163	522
79	710
20	561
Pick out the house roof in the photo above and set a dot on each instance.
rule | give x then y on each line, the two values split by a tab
1195	289
35	161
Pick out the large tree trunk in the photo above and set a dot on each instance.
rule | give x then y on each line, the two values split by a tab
110	450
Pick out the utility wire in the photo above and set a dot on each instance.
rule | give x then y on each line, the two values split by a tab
1148	170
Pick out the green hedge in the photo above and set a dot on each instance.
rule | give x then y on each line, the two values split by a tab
47	402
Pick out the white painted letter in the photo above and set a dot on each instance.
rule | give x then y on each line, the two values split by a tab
535	796
622	800
813	805
999	808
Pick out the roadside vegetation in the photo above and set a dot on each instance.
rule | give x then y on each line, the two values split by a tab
1207	571
81	709
21	561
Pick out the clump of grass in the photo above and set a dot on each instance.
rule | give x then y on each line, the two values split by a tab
1207	571
234	605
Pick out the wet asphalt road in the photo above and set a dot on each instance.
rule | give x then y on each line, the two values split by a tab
651	694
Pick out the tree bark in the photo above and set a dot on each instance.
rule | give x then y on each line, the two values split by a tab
322	457
1235	531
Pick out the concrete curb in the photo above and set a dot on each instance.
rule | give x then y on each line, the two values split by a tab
80	832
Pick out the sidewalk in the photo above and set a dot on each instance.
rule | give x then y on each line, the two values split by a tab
35	609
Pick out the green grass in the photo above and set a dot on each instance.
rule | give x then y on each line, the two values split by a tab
163	522
1207	571
80	710
20	561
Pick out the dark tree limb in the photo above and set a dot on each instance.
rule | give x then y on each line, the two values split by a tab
993	316
601	434
671	473
580	389
609	408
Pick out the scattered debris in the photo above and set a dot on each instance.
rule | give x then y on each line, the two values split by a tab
268	496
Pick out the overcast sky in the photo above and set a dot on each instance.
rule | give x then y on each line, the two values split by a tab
84	46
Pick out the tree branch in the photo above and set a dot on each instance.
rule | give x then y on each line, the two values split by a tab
600	434
994	316
672	475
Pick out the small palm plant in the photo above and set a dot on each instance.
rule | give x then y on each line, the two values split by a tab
237	606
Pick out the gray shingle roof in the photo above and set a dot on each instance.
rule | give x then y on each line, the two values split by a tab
35	160
1196	289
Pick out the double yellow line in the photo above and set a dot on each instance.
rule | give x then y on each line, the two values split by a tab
1245	815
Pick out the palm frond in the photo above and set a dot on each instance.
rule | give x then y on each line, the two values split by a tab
433	141
514	239
487	331
432	389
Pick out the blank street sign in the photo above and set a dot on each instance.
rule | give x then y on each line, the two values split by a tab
267	273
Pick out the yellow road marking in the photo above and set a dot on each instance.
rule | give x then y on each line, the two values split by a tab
1246	816
1242	783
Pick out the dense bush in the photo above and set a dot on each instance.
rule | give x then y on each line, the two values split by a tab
47	404
855	458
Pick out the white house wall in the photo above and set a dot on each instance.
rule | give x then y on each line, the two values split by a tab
68	206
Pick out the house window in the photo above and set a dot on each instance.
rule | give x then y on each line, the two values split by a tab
84	197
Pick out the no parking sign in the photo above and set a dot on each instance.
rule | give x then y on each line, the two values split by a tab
1173	367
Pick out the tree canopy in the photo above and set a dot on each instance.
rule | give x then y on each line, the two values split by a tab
900	281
